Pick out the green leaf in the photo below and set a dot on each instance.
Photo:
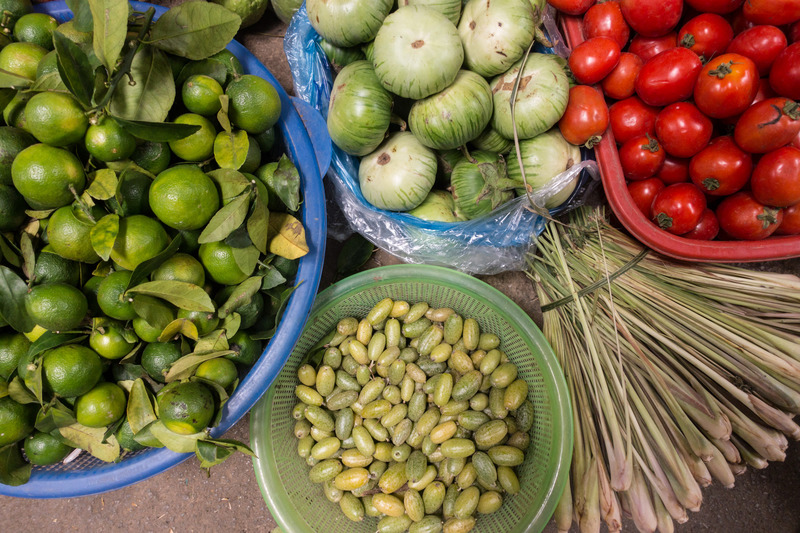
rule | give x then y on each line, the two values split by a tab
239	238
222	115
11	80
156	312
8	252
241	295
82	15
230	149
272	278
145	268
195	30
28	254
157	131
216	341
20	393
285	182
128	372
12	300
112	428
140	411
104	234
104	184
153	92
182	326
186	365
355	252
145	437
100	84
211	454
226	220
91	440
179	293
281	304
231	324
54	415
3	389
258	224
74	69
14	470
246	258
231	182
110	27
49	82
174	441
49	340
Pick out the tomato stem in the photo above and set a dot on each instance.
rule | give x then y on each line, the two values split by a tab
722	70
664	221
768	217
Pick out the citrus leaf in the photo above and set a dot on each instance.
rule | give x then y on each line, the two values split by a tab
100	84
82	15
285	182
222	115
239	238
195	30
241	295
234	445
154	311
186	365
3	389
211	454
127	372
14	470
231	182
53	416
91	440
179	293
12	300
140	410
104	184
174	441
9	79
287	237
272	278
258	224
146	438
179	326
109	30
74	69
226	220
112	428
10	253
49	340
157	131
19	392
104	234
153	92
216	341
246	258
231	324
28	254
280	305
49	82
145	268
355	252
230	149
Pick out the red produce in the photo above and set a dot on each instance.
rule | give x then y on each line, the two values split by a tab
707	35
791	221
641	157
762	44
586	118
668	77
784	76
678	208
683	130
647	47
777	12
721	168
594	59
794	32
606	20
720	7
572	7
652	18
619	83
632	117
674	170
706	229
768	125
726	86
743	217
642	192
776	178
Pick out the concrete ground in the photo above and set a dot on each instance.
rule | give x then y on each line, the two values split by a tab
183	499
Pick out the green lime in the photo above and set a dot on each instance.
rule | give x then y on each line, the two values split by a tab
52	268
90	289
55	118
199	145
133	189
253	160
157	357
111	340
221	371
101	406
220	263
184	197
48	177
140	238
44	449
186	408
246	349
12	347
205	322
152	156
12	10
71	370
56	306
266	140
22	59
12	142
47	65
111	296
249	312
12	209
108	141
36	28
255	105
250	11
180	267
126	438
16	420
200	94
68	233
14	111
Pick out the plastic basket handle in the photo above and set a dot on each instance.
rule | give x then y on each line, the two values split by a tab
317	130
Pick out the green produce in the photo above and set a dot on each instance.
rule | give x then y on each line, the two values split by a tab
479	184
348	22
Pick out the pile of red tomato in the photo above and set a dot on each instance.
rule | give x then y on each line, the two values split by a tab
705	109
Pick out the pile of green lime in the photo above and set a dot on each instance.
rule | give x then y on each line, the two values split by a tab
148	231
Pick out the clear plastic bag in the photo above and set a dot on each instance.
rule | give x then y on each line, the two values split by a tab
496	242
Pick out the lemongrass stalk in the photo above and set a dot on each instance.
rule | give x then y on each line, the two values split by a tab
664	519
749	456
590	519
564	511
728	449
768	443
658	480
719	468
641	503
774	417
737	468
609	504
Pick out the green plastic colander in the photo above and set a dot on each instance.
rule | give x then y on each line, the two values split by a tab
300	506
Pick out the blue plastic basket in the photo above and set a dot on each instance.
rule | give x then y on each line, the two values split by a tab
87	475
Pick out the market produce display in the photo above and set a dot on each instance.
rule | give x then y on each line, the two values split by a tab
429	86
149	232
702	105
679	374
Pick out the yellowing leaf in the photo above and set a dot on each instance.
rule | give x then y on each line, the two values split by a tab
91	440
104	185
104	234
287	237
184	326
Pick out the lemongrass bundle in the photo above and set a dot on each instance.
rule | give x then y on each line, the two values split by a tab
679	373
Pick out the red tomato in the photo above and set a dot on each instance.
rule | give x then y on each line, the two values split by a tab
642	192
791	221
762	44
706	35
652	18
768	125
776	178
631	117
647	47
593	59
796	141
674	170
572	7
586	118
683	130
777	12
641	157
678	208
706	229
739	23
619	83
764	92
726	86
784	77
606	20
721	168
794	32
743	217
668	77
720	7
